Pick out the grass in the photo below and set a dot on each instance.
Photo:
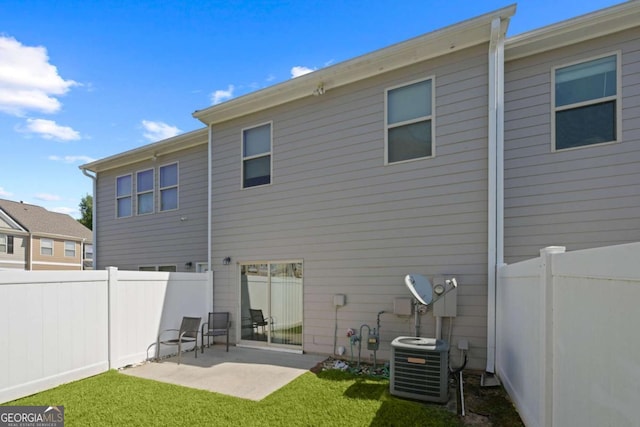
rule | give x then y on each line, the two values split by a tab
329	398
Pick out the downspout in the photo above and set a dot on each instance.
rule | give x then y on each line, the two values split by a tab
209	214
94	178
495	184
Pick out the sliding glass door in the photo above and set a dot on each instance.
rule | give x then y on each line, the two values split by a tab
271	303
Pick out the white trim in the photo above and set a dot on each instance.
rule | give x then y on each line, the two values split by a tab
152	191
256	156
75	251
42	239
177	187
431	118
617	98
67	264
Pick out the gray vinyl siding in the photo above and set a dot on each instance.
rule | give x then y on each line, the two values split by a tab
360	226
161	238
582	198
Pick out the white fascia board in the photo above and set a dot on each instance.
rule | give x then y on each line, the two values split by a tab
147	152
14	225
459	36
596	24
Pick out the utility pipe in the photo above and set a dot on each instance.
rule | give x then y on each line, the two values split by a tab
94	203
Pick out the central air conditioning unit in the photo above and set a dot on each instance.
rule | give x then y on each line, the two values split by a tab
420	369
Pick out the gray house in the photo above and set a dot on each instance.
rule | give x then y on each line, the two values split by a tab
444	155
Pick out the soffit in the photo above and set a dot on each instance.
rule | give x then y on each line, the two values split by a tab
446	40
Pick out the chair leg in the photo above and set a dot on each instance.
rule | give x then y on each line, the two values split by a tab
179	351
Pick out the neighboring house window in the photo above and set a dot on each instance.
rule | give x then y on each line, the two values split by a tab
88	252
123	196
171	268
169	187
256	156
585	103
70	249
147	268
6	244
46	247
409	122
144	192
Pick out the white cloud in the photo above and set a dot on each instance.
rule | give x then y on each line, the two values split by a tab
5	193
222	95
28	82
72	159
299	70
48	129
64	210
47	197
156	131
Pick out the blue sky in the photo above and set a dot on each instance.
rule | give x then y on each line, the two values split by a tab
83	80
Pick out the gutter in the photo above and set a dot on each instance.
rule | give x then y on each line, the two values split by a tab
495	243
209	213
94	178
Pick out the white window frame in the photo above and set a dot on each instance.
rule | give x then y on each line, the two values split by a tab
48	246
129	196
617	98
88	252
257	156
431	117
176	186
4	244
67	249
145	192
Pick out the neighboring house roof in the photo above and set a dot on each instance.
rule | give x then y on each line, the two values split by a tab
40	221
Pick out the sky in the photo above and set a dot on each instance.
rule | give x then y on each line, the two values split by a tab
83	80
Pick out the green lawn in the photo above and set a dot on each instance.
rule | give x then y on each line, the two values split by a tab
330	398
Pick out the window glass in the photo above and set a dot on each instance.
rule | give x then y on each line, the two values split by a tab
410	141
409	125
257	140
88	252
256	151
123	196
171	268
169	187
69	249
144	187
586	81
169	199
169	175
3	243
409	102
586	103
46	247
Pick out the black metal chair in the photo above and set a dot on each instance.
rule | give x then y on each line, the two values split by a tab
188	332
258	320
217	325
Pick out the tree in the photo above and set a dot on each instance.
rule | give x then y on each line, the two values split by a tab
86	210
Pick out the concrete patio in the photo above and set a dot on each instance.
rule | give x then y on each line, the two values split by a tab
247	373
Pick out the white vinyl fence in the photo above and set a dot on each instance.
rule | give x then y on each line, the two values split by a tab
568	348
61	326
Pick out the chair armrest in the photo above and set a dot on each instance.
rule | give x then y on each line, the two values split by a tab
167	330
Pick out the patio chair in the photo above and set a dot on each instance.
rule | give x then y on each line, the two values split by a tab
188	332
258	320
218	325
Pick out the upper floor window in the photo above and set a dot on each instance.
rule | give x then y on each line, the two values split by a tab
123	196
144	192
256	156
586	103
70	249
169	187
46	247
409	122
88	251
6	244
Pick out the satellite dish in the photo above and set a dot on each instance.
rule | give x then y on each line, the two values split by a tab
420	288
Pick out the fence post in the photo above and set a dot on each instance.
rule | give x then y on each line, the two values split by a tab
546	329
112	282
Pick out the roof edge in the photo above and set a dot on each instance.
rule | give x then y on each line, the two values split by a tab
149	151
574	30
439	42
